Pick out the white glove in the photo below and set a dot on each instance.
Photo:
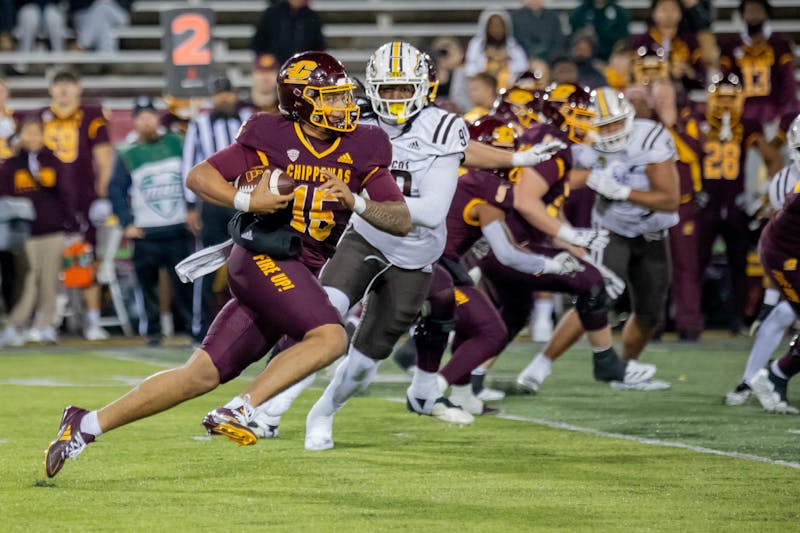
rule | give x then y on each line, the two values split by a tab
562	264
603	181
584	156
615	286
590	238
538	153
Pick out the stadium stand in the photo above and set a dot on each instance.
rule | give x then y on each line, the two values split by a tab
352	29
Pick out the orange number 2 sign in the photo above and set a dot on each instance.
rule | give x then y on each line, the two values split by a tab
196	49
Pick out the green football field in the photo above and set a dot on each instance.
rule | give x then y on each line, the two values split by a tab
578	457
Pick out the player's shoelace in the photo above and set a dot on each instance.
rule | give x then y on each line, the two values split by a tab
75	446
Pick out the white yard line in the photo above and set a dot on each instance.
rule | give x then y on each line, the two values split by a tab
640	440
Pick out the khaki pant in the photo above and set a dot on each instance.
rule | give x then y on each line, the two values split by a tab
41	283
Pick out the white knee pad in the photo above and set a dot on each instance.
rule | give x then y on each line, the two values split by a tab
339	300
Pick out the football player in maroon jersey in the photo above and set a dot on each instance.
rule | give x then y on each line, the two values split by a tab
318	142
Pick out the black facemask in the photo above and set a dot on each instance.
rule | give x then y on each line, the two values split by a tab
755	29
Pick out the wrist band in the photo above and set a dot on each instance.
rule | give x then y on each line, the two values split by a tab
359	204
566	233
241	201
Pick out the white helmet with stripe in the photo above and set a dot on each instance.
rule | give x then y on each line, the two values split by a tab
397	64
611	107
793	141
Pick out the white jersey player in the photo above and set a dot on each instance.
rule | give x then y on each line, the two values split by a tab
775	316
637	202
392	273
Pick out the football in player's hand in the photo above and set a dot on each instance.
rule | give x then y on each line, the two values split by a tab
279	182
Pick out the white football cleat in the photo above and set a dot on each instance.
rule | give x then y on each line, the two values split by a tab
770	399
34	335
319	433
11	337
741	395
533	375
463	397
95	333
439	408
636	372
264	426
491	395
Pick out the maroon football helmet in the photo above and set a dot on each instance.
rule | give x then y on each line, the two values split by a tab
433	77
312	86
569	108
500	133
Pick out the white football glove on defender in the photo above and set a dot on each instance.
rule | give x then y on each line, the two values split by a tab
538	153
590	238
562	264
615	286
603	182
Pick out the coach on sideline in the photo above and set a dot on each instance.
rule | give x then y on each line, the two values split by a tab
146	191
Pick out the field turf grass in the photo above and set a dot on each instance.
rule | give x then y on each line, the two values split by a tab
391	470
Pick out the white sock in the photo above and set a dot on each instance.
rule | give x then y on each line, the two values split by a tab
424	384
478	371
540	367
92	317
768	338
279	404
772	296
91	425
543	309
352	375
777	370
235	403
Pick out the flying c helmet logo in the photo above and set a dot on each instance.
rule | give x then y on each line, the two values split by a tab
300	71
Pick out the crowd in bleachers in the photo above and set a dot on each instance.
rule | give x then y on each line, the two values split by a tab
67	142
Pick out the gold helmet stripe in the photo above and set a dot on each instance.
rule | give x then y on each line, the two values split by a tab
397	62
601	101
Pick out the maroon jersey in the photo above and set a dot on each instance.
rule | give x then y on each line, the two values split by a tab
555	172
53	198
767	73
360	159
474	187
782	234
72	139
682	49
724	161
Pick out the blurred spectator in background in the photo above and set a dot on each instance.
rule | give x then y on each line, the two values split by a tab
208	133
78	135
698	15
494	49
8	18
7	123
618	70
764	61
609	20
264	89
146	191
538	30
96	20
37	174
682	50
564	70
448	54
541	71
288	27
33	15
582	53
482	93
